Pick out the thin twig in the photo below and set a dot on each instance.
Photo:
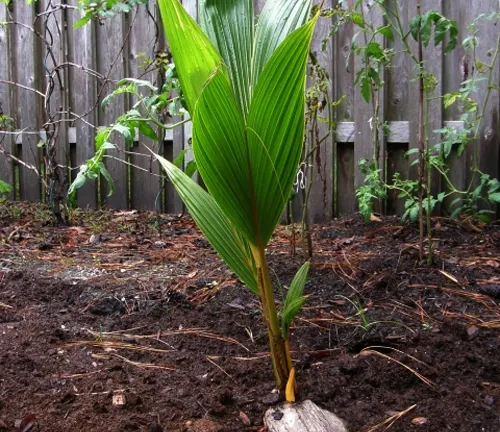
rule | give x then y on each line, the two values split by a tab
15	84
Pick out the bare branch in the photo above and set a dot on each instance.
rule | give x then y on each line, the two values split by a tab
15	84
132	165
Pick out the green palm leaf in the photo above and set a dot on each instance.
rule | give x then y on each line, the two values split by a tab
231	246
278	19
185	36
258	165
219	145
294	299
230	27
276	127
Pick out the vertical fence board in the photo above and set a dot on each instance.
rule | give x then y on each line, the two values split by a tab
27	102
363	148
398	74
172	144
111	62
83	97
6	164
457	67
396	109
396	163
489	132
145	185
344	151
413	94
433	58
378	21
346	197
320	202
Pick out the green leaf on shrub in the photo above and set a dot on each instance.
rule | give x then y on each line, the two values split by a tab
366	88
358	19
386	31
494	197
105	173
5	187
146	130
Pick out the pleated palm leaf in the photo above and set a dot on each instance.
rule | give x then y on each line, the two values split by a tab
244	87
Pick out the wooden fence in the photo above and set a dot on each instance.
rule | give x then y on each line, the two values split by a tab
118	47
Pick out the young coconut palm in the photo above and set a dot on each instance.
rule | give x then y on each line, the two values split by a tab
244	87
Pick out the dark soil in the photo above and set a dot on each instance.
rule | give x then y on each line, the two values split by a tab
108	311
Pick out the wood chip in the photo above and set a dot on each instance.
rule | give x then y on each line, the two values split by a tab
244	418
119	399
419	421
472	330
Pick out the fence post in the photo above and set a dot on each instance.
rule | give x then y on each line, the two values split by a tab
6	93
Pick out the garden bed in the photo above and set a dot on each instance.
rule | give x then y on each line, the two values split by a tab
109	326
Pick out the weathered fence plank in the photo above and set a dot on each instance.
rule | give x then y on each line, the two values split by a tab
6	163
112	39
145	184
458	66
26	71
397	131
83	97
363	139
488	146
346	194
172	203
397	110
343	165
413	92
433	58
376	17
321	197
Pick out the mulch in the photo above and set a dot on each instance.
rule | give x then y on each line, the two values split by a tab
129	321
